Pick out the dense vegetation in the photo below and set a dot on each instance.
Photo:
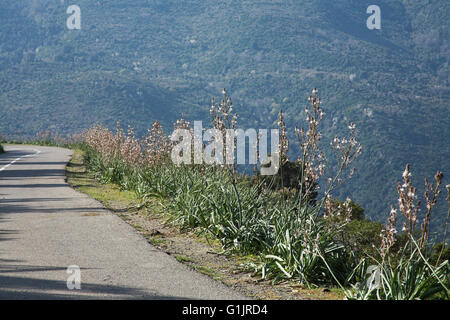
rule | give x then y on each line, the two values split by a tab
138	61
294	231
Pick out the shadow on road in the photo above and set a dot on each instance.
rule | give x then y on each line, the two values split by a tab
30	173
16	287
18	208
41	163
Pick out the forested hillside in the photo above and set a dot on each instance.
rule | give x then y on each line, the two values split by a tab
140	61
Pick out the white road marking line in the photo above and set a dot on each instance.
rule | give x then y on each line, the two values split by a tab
25	156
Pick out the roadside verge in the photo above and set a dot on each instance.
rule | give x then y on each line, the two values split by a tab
197	251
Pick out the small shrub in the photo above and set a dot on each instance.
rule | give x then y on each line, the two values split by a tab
412	270
362	236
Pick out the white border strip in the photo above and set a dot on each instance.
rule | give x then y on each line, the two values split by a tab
25	156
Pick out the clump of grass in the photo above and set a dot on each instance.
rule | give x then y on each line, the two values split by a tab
183	259
407	272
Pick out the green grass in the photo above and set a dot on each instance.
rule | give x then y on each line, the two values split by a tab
184	259
262	234
287	240
243	216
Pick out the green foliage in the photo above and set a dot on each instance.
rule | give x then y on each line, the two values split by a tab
286	181
303	247
291	238
243	214
357	212
411	277
440	253
362	236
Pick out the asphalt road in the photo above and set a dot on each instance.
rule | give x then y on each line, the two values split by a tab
46	226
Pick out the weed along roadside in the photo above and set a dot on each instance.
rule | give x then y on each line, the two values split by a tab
276	236
197	250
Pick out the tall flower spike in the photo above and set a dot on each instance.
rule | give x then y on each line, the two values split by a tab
284	141
388	233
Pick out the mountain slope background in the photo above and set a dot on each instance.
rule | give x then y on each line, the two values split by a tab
145	60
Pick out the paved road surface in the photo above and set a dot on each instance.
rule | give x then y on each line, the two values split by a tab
45	227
